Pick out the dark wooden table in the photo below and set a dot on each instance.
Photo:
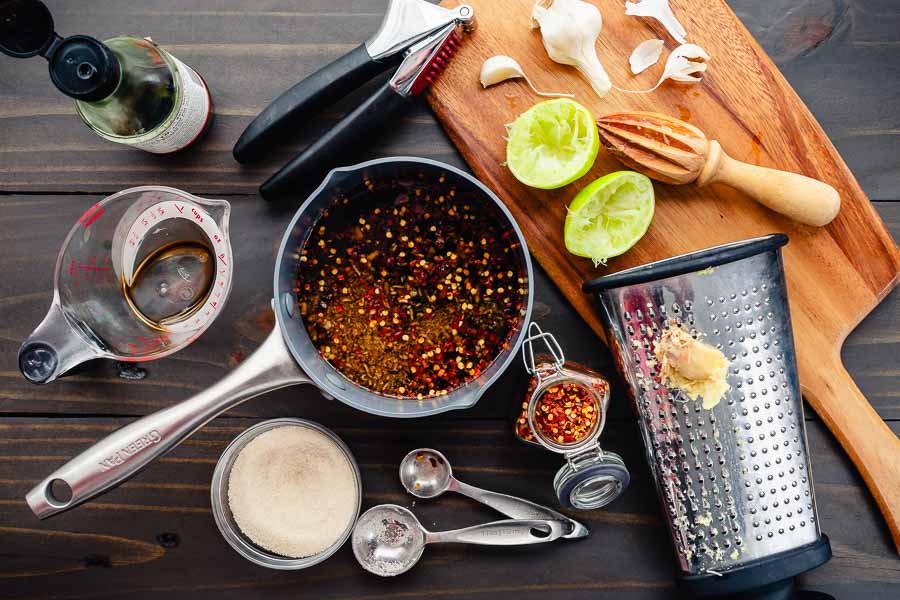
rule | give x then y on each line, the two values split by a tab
155	534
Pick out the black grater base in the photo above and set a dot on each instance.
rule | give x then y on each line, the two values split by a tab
770	578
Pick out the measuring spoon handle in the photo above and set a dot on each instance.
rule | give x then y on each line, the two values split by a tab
512	532
124	453
519	508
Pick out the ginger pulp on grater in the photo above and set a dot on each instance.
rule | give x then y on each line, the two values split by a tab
692	366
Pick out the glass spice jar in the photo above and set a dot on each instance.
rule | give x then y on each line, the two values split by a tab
564	410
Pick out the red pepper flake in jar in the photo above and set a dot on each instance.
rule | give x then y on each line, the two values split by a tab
566	412
411	289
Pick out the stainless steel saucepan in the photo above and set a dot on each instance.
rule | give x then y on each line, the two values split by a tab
287	357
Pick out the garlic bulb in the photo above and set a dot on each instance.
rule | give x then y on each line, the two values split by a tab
662	12
645	55
569	29
500	68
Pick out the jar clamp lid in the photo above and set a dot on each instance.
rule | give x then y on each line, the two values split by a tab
590	478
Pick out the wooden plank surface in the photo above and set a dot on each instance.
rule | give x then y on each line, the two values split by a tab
840	55
155	535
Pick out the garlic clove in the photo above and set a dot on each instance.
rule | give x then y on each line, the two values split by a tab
569	30
681	65
500	68
645	55
662	12
683	62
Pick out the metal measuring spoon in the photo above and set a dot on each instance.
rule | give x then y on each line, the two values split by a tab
426	473
389	540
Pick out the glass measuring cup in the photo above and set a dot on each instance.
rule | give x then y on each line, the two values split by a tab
590	478
140	275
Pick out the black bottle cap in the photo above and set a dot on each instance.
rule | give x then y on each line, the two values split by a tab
80	66
26	28
84	68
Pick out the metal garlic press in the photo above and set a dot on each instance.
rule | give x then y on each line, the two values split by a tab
415	36
734	481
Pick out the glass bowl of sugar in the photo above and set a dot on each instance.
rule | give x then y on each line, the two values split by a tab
286	493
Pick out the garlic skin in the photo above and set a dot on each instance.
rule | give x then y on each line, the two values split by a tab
645	55
500	68
569	30
662	12
681	65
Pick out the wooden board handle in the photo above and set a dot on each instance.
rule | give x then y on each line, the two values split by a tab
869	442
801	198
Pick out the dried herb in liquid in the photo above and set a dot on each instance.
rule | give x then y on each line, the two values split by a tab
409	290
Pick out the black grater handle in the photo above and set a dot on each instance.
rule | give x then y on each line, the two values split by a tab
327	85
334	148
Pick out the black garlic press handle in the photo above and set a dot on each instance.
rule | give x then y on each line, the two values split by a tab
327	85
334	148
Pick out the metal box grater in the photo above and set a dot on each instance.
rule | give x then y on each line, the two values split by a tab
734	481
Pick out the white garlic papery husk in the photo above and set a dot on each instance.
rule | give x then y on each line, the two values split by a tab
500	68
680	66
645	55
662	12
569	29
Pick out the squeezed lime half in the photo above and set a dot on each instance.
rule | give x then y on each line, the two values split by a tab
609	216
552	144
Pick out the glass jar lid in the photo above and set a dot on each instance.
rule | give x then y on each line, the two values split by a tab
591	479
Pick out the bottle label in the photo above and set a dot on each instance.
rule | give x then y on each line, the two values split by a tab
193	113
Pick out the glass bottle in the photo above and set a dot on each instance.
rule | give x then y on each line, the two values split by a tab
127	89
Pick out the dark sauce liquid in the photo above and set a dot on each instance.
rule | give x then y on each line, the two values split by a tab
172	282
409	290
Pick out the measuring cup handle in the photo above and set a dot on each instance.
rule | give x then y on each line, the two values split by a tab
519	508
124	453
500	533
54	347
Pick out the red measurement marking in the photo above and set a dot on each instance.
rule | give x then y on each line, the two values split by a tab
91	269
222	258
146	345
180	208
84	217
197	215
94	217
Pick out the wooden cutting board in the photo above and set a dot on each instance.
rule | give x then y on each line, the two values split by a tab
836	275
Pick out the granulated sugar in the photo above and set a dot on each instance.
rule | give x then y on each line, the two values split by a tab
292	491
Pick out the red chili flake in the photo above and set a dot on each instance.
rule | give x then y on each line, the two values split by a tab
566	412
407	266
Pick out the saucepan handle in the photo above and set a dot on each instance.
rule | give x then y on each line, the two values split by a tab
124	453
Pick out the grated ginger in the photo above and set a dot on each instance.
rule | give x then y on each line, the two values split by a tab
694	367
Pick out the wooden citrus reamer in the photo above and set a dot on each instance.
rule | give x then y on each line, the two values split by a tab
672	151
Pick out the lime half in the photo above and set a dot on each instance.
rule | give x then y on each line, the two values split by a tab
609	216
552	144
